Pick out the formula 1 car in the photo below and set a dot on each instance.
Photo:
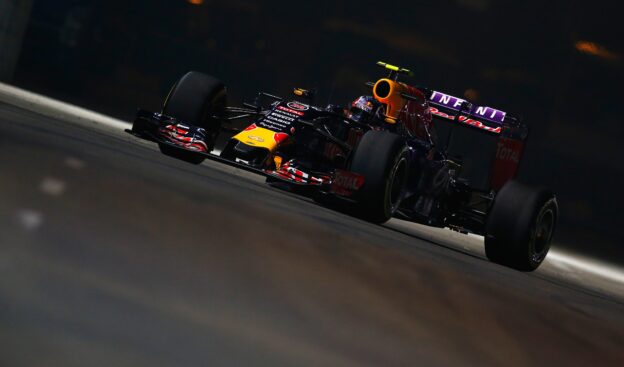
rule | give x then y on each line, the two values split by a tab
379	157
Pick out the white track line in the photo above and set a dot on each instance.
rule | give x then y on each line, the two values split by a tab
601	269
52	186
29	219
65	111
593	273
56	109
75	163
580	264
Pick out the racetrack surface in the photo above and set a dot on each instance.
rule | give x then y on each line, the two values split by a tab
112	254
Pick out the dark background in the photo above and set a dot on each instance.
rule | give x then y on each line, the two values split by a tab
559	64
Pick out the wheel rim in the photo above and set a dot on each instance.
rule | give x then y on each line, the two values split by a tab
542	235
397	178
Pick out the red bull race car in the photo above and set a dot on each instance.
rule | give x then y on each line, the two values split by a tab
400	151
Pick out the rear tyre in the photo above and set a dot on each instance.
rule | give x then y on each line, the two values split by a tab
520	226
381	157
195	99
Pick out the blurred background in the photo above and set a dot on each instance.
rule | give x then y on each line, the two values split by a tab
559	64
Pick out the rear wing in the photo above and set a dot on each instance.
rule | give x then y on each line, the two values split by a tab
505	151
480	117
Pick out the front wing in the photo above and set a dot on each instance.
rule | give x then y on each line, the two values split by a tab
147	124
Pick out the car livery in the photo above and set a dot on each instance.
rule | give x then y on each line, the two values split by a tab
380	156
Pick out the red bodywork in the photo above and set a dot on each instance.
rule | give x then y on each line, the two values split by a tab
416	116
506	162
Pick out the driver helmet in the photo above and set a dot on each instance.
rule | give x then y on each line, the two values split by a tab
363	108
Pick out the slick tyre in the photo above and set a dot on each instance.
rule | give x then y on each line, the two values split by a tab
520	226
381	157
195	99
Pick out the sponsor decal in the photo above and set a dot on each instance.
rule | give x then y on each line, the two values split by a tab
507	152
278	118
276	122
251	127
465	120
506	162
345	183
298	106
255	138
294	112
455	103
282	117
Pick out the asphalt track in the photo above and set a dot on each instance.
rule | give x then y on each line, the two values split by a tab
112	254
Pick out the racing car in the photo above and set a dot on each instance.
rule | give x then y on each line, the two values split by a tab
397	151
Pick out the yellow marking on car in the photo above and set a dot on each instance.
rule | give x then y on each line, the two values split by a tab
394	68
391	67
278	161
258	137
390	120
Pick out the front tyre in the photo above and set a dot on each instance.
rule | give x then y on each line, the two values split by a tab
520	226
197	99
381	157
